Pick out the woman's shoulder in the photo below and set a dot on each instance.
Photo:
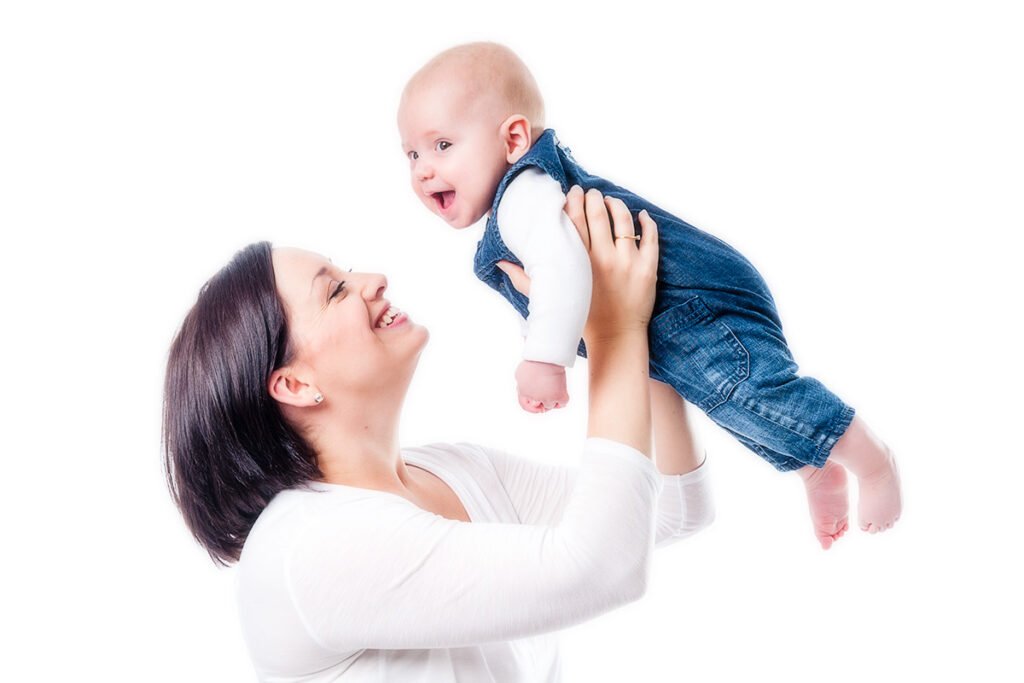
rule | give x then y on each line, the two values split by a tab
294	512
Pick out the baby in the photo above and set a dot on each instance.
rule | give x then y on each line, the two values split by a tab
472	127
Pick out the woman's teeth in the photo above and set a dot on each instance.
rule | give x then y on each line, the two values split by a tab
388	317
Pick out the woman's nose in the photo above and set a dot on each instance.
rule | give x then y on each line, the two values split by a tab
374	286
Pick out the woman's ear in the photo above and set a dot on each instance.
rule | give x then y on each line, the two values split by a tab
289	388
517	134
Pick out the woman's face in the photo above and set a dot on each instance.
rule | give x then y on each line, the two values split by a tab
343	332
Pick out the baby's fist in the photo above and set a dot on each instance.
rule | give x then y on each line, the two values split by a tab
541	386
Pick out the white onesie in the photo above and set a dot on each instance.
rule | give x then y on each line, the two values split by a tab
533	225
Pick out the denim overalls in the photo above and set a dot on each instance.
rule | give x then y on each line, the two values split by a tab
714	336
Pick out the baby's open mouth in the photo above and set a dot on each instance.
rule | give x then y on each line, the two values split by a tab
444	199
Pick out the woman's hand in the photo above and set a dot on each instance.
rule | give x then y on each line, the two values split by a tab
622	299
624	278
620	309
624	275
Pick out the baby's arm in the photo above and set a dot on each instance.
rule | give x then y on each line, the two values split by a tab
535	228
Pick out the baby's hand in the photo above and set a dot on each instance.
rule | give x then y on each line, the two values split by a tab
541	386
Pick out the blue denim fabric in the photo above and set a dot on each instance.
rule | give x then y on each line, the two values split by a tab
715	335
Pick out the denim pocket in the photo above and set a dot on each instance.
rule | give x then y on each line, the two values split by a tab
697	353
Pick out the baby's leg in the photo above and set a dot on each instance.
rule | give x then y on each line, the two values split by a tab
738	369
827	495
878	480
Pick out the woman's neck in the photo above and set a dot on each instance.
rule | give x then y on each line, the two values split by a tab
357	445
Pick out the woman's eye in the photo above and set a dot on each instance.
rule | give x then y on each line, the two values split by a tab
337	290
443	145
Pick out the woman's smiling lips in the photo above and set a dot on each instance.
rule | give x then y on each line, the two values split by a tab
396	318
400	319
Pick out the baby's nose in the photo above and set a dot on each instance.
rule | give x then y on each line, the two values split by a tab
424	171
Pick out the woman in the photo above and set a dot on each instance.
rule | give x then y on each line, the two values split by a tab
356	557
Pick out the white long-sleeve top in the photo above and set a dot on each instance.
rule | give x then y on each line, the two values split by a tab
534	227
338	581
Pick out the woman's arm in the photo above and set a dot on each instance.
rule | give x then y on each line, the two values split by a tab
685	505
620	311
375	571
676	447
389	575
539	492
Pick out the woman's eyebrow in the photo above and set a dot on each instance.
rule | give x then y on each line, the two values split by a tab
320	273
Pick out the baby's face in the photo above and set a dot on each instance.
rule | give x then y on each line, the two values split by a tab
455	151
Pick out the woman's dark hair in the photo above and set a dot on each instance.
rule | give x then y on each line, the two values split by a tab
227	448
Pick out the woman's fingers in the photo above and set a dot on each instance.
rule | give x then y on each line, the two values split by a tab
623	275
622	223
597	219
520	280
574	208
648	237
604	222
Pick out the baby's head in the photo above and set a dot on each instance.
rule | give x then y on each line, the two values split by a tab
464	118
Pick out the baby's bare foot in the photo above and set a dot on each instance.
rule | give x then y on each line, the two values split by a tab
860	451
880	501
828	500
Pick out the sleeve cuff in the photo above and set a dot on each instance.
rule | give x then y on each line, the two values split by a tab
606	449
692	477
537	352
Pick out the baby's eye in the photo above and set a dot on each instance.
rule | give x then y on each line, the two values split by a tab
442	146
413	156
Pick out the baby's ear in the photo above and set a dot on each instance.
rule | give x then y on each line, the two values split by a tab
516	133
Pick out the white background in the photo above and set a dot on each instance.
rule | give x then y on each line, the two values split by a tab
867	158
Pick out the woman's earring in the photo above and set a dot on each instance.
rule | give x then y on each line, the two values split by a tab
319	398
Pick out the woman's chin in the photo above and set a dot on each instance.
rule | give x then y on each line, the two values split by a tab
424	334
416	336
419	336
